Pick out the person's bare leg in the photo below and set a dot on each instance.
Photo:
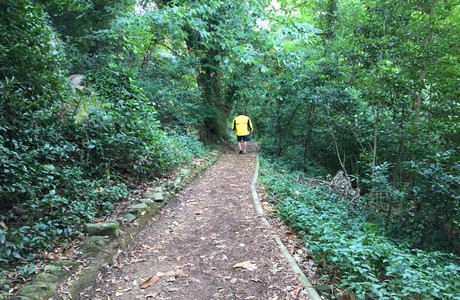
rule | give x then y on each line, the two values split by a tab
245	146
240	147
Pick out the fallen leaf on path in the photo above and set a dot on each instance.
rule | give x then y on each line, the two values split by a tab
136	260
152	295
121	291
275	268
179	271
248	265
169	273
149	282
297	290
198	212
146	247
291	249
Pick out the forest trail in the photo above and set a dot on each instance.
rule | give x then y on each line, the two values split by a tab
207	243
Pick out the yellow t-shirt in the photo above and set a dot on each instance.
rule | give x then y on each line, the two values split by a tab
242	125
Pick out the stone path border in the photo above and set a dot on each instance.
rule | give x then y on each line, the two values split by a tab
292	263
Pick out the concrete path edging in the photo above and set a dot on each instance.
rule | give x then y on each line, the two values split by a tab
292	263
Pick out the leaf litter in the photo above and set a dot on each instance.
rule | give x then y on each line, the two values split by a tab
191	260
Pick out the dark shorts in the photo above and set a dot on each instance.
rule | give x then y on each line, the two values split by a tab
243	138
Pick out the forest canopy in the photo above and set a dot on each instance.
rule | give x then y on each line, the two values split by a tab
367	87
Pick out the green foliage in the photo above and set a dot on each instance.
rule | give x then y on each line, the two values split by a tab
122	134
79	23
30	60
184	148
374	91
171	84
369	93
29	106
368	264
57	216
67	156
381	195
214	50
436	185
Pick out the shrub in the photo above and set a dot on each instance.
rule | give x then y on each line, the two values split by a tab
367	262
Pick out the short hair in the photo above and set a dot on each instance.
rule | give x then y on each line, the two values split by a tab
241	112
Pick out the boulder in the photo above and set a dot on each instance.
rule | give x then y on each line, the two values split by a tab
93	245
38	290
129	218
109	228
147	201
155	196
138	208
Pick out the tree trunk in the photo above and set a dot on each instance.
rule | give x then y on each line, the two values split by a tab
209	80
308	135
330	19
424	65
376	127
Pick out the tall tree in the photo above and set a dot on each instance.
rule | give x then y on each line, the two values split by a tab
215	33
397	60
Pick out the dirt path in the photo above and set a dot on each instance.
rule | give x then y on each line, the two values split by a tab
193	248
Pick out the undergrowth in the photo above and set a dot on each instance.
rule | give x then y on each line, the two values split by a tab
73	163
67	198
366	262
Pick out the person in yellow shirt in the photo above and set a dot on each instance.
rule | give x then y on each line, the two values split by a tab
242	126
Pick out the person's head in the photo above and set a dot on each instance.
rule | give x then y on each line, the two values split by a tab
240	112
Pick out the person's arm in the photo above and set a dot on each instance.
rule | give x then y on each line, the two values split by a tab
234	125
250	127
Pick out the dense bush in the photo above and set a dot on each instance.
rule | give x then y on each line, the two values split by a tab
405	210
72	171
367	263
67	156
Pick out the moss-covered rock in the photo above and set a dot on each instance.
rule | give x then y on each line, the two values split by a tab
4	296
155	196
47	278
61	268
93	245
129	218
109	228
39	290
147	201
138	208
